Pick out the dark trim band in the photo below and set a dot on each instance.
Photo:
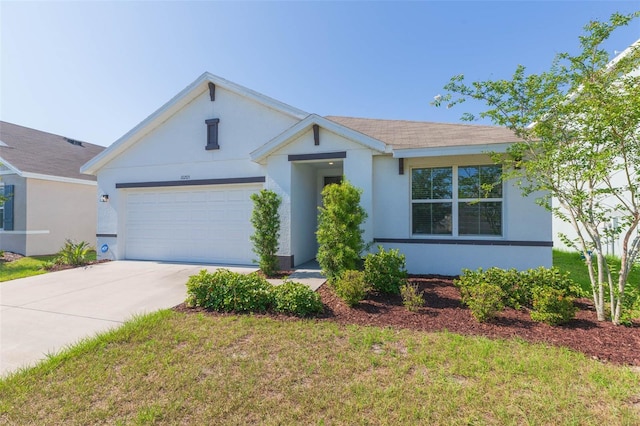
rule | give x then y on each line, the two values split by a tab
318	156
465	242
223	181
106	235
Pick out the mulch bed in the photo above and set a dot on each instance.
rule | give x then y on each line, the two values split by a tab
443	311
7	257
57	267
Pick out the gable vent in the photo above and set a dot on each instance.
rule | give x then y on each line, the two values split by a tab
73	142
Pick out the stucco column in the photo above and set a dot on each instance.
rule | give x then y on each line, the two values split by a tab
358	169
279	181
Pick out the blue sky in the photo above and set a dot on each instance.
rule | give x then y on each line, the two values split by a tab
93	70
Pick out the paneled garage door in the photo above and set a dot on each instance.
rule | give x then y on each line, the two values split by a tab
208	224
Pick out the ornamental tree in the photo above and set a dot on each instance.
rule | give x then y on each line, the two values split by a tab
579	125
266	223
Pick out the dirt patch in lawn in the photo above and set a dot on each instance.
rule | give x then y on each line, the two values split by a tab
443	311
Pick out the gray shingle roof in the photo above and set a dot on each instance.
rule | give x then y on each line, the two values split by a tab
33	151
401	134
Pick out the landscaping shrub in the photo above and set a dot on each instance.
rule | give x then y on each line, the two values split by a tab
75	254
552	306
484	300
385	270
266	223
631	303
411	298
351	287
518	287
339	235
297	299
227	291
517	293
542	278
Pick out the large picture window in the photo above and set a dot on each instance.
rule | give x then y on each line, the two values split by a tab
457	201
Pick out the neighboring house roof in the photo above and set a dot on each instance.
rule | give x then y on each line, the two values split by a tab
33	153
188	94
402	134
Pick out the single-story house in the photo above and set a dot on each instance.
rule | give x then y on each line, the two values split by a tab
47	198
177	186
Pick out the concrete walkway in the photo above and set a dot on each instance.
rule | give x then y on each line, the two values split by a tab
307	273
43	314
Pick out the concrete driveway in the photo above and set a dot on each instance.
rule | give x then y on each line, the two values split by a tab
41	315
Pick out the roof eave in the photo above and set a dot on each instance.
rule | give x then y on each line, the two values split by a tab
8	165
441	151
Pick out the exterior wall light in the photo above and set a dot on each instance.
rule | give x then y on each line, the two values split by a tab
104	198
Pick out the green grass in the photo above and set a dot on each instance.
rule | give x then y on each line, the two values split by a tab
29	266
573	263
176	368
24	267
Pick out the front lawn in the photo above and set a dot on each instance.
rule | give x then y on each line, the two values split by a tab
23	267
192	368
30	266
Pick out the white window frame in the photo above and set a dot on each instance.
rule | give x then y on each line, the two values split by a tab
455	202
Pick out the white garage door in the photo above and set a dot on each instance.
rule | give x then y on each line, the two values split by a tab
208	224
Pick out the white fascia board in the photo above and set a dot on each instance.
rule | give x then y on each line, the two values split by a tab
451	150
63	179
256	96
176	103
260	154
12	169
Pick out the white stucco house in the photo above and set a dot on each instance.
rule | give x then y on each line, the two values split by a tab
48	200
176	187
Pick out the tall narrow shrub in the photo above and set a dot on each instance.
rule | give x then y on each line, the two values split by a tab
339	235
266	224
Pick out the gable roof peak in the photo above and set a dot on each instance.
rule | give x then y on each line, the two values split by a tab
186	95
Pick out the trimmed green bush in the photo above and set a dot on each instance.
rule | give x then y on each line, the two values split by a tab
339	235
351	287
551	278
266	223
297	299
552	306
484	301
411	298
385	270
227	291
518	287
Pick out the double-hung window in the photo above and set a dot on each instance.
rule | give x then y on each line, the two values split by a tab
457	201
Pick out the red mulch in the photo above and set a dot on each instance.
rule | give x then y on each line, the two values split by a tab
277	275
443	311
